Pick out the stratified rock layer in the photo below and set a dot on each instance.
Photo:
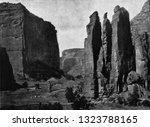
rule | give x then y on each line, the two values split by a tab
72	61
140	26
6	73
122	59
27	39
92	48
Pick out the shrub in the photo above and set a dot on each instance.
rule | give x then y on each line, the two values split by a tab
133	99
79	101
70	94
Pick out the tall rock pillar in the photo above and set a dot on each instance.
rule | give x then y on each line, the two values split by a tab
122	60
104	61
92	48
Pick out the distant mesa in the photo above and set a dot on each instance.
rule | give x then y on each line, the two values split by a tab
72	61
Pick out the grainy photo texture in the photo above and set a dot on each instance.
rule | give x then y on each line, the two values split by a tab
74	54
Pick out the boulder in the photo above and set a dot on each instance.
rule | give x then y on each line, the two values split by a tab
7	81
122	57
140	28
133	77
92	46
133	94
27	38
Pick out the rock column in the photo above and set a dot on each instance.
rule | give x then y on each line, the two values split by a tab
122	61
104	62
92	49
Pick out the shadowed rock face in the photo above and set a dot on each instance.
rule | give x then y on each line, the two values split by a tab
104	61
72	61
27	38
122	58
6	73
140	28
92	48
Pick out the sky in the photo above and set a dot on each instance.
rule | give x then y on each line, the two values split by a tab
70	17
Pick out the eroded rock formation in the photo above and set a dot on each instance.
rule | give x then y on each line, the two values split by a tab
140	27
122	58
7	81
104	62
27	38
92	48
72	61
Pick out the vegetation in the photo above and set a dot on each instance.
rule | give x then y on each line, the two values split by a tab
134	98
79	101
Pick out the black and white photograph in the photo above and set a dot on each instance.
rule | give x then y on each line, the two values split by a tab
74	54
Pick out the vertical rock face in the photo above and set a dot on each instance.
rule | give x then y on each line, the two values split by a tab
104	62
72	61
27	39
92	48
6	73
140	27
122	60
107	40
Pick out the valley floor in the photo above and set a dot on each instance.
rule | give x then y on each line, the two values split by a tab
32	98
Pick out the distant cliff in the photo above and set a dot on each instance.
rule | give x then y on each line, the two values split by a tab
72	61
27	39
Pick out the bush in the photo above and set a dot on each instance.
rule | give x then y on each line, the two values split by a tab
70	94
79	101
134	97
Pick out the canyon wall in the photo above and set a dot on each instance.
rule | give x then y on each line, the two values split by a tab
27	39
140	28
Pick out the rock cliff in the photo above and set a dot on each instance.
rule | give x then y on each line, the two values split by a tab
72	61
140	28
27	39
